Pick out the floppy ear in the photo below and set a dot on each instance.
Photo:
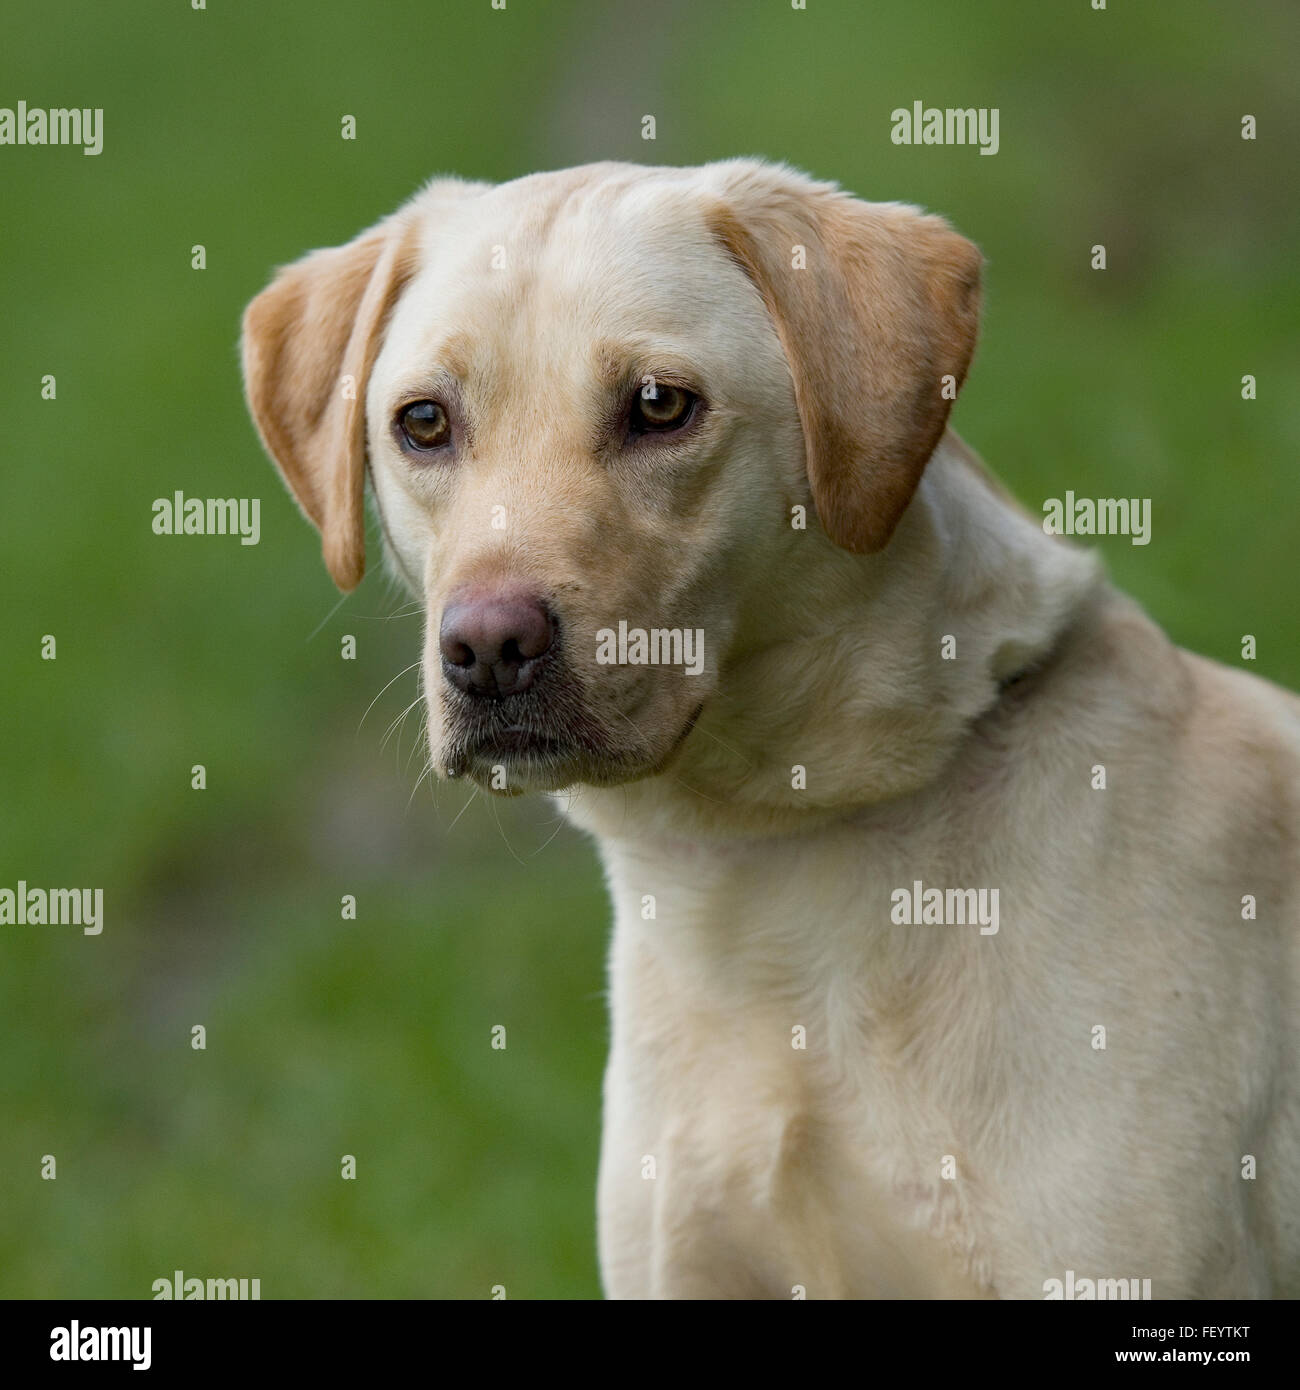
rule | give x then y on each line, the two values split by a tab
309	341
881	305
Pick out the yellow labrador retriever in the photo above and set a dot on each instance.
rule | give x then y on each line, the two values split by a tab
958	912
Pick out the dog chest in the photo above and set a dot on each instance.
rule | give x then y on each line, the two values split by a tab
751	1147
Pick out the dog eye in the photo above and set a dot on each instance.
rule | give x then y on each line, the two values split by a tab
425	425
669	408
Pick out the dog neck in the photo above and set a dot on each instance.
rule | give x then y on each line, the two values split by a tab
881	666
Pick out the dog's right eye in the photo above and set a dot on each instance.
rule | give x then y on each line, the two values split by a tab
659	409
424	425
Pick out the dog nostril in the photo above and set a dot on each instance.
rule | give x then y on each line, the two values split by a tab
458	653
490	641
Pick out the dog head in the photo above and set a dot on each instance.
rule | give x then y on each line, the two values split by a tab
607	414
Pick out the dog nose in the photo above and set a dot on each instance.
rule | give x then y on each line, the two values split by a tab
492	642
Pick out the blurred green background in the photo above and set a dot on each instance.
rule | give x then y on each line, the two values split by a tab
329	1037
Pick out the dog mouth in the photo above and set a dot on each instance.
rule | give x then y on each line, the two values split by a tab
519	742
510	758
515	745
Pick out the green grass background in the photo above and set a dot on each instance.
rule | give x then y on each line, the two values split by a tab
476	1167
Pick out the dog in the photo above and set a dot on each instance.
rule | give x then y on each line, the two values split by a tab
957	938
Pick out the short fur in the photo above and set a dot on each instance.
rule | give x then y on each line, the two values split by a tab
950	1127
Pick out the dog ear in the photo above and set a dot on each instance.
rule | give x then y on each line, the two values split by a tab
875	304
309	341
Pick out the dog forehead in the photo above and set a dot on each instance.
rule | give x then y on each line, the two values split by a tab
552	260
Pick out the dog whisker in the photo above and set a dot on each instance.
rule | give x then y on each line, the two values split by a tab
501	830
400	720
395	679
327	617
473	792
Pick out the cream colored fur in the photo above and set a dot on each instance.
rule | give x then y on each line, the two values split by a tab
949	1128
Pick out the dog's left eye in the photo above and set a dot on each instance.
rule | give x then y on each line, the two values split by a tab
658	408
424	425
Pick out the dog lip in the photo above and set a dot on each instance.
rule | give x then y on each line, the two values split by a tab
531	754
517	741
